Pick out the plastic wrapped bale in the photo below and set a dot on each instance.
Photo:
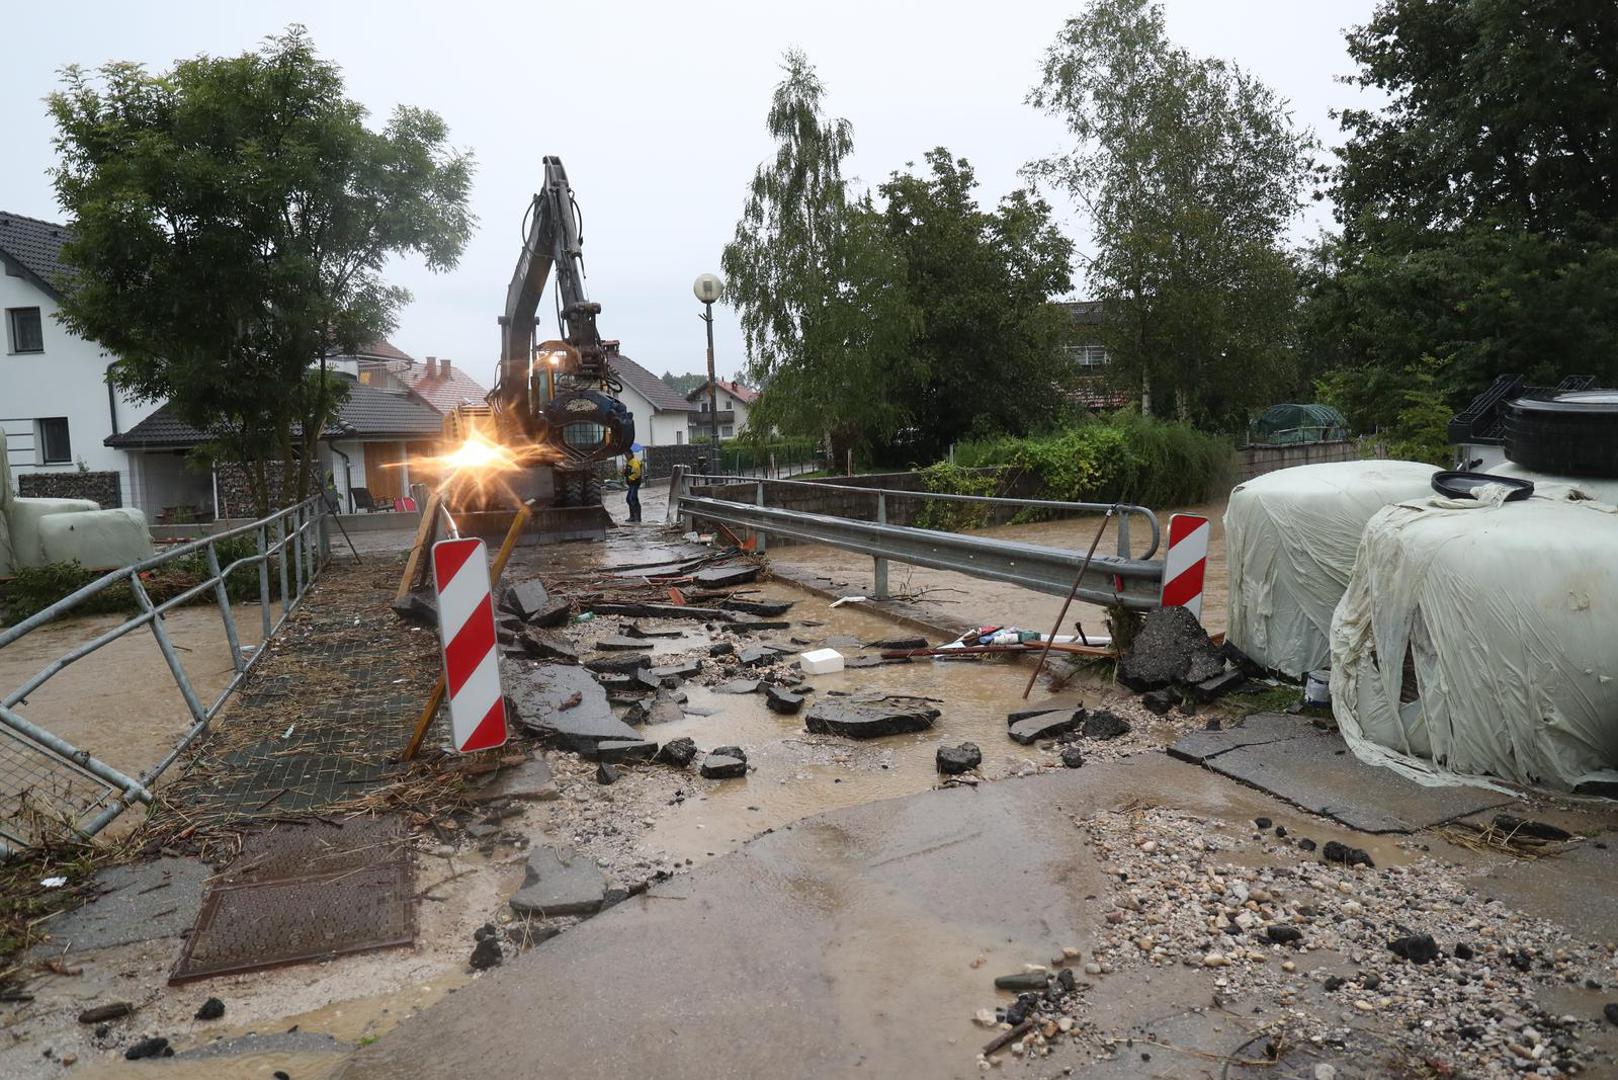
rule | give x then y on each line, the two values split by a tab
1598	488
25	516
1290	538
1476	640
99	539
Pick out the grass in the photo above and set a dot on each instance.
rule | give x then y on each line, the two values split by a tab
26	905
1265	699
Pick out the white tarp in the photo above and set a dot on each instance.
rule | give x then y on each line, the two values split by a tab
96	539
1290	538
1601	490
1499	622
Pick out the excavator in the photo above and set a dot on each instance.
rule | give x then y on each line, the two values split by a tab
554	410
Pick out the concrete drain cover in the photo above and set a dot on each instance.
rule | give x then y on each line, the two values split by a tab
302	892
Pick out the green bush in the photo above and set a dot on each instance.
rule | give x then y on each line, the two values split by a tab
33	589
953	479
1126	456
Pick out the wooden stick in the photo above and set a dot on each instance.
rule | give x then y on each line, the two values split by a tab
1071	648
425	530
436	697
1077	581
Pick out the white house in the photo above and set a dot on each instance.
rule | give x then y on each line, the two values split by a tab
733	401
56	405
661	414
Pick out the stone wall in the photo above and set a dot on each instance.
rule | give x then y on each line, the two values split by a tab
104	488
1255	461
236	496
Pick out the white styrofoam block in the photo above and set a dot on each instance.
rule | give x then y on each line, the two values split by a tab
821	661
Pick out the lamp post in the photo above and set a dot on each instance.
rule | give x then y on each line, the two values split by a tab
708	288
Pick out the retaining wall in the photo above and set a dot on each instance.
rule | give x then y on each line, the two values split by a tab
1254	461
104	488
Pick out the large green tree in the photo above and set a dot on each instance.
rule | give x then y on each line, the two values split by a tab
989	350
1190	171
231	221
818	287
1478	203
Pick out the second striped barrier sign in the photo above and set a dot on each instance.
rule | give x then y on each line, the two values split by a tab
477	703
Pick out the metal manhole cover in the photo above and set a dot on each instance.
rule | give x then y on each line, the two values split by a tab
359	896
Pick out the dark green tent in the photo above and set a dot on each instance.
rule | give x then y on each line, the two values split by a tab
1290	425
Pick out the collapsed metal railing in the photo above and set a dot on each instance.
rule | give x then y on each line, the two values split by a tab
1123	579
45	781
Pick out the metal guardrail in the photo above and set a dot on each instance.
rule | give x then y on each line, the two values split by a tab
47	782
1122	579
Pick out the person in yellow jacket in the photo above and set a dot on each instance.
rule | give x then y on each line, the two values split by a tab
634	472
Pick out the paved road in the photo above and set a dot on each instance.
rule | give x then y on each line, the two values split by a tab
840	946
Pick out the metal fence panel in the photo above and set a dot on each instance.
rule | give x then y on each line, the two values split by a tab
48	786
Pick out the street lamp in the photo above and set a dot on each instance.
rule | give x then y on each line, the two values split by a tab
708	289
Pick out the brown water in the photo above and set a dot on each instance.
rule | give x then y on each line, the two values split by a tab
796	774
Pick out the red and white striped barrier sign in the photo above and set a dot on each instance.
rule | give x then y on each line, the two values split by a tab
477	704
1186	562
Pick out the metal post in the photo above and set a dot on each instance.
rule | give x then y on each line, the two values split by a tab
1123	535
264	584
325	533
222	595
192	702
281	552
713	387
759	541
880	573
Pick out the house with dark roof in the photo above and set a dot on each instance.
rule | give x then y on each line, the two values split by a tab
377	437
732	402
56	406
662	414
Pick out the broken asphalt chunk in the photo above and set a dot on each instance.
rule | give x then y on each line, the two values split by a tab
1160	701
547	645
1046	726
721	766
1217	687
617	750
719	577
867	721
677	752
754	655
619	643
559	882
738	686
621	663
898	644
954	760
1335	852
1417	948
1170	645
1104	724
782	701
768	609
1537	830
1022	980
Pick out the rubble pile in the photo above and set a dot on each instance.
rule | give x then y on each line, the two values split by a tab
1322	947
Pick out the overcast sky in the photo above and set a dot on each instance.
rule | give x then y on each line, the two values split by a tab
657	110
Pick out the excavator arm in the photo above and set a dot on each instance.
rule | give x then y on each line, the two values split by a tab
546	391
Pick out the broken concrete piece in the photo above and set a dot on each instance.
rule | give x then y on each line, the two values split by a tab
1169	642
867	721
622	644
726	576
718	766
665	710
754	655
559	882
1045	726
531	782
1024	714
721	648
954	760
563	699
1241	661
782	701
524	599
768	609
616	750
1217	687
754	626
1072	756
417	609
738	686
687	669
897	644
621	663
677	752
547	645
606	773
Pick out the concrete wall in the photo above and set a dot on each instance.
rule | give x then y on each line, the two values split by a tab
102	488
68	379
1257	460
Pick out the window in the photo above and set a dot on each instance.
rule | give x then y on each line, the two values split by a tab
704	406
54	448
23	330
679	437
727	431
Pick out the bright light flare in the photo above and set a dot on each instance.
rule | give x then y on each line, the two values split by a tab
478	454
